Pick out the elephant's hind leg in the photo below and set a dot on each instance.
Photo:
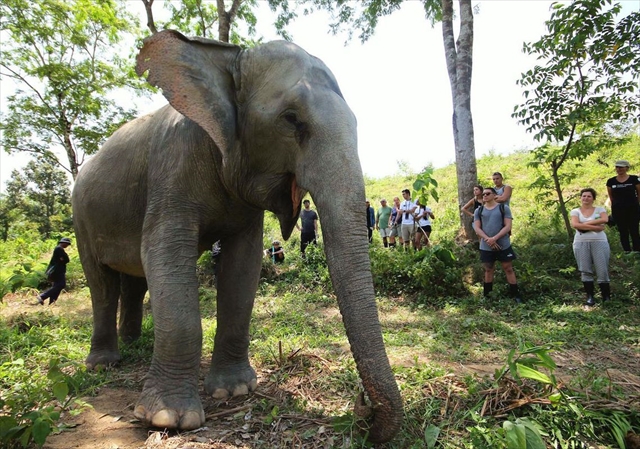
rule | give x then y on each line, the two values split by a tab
132	290
240	264
104	284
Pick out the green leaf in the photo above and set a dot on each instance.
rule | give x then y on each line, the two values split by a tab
60	390
515	434
418	184
431	435
555	398
25	437
529	373
6	423
41	430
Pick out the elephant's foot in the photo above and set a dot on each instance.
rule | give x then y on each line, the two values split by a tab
103	358
173	407
231	380
129	337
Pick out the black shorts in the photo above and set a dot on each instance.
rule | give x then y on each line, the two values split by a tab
504	255
426	229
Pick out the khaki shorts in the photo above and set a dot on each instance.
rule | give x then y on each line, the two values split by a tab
407	232
384	232
393	230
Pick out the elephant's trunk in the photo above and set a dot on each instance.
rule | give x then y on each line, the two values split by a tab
341	209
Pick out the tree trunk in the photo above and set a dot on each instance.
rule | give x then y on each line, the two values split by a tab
148	4
555	167
459	58
226	18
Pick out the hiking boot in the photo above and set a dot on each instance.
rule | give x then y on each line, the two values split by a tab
487	287
589	288
515	293
605	290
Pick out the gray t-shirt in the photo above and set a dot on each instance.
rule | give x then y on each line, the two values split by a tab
491	224
500	191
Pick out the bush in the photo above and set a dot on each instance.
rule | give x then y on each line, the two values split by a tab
433	271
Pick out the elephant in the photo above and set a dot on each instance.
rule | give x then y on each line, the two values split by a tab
245	130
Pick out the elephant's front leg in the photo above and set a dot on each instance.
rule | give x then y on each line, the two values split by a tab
240	264
170	397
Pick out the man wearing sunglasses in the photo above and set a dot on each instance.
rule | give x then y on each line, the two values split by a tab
492	223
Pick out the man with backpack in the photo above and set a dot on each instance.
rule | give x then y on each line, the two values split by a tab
492	223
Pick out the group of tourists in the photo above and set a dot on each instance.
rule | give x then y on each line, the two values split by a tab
492	221
409	221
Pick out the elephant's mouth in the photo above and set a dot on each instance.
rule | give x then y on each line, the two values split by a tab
288	204
296	196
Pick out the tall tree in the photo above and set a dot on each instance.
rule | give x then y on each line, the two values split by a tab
199	18
41	192
63	57
364	16
583	94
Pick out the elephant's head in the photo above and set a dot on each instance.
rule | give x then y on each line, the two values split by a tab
283	128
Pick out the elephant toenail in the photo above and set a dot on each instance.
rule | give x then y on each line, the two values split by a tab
253	384
241	390
191	420
140	412
220	393
165	418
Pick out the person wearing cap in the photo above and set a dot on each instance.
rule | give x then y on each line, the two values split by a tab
57	274
624	193
275	253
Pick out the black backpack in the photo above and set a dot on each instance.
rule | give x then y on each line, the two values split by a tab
481	209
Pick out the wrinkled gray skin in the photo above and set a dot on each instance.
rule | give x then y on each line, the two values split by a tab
245	131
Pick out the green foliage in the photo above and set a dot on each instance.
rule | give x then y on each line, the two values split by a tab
39	195
199	18
565	423
433	272
583	98
361	16
25	261
32	402
425	186
63	57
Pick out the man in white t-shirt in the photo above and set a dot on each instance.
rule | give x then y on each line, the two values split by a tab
407	208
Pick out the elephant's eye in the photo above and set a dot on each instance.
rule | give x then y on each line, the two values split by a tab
300	127
291	118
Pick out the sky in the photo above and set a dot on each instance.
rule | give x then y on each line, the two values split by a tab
397	84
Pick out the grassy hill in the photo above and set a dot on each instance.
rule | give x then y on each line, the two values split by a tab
473	372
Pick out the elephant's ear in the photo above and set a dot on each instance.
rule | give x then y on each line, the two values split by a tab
196	76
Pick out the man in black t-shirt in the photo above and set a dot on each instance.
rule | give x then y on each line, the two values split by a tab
624	193
309	230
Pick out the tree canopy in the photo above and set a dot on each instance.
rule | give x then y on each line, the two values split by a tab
583	95
38	195
64	59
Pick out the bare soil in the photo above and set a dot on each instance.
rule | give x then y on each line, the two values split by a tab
250	422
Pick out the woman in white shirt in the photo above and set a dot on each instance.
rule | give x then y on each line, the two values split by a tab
423	217
590	245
